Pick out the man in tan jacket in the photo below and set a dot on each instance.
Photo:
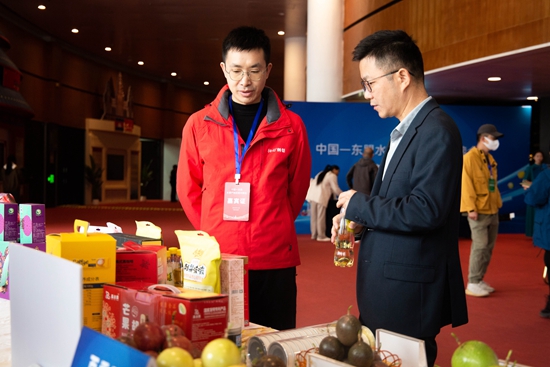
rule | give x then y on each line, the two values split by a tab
481	201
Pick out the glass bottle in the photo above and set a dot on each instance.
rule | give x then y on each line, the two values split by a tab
343	253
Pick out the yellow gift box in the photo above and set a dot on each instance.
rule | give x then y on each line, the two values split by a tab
96	252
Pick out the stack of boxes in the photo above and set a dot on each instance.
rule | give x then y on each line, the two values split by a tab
23	224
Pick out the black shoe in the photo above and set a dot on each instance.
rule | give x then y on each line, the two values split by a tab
546	311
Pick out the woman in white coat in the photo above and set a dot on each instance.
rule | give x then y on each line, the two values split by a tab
320	190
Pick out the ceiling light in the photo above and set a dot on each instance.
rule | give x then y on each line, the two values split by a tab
494	79
141	63
281	33
207	83
74	30
174	73
533	98
108	48
42	7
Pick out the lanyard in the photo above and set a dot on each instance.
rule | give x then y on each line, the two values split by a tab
239	157
489	166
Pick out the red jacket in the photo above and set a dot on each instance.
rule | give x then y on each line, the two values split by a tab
277	165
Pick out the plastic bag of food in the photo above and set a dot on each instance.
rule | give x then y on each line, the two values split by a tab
201	258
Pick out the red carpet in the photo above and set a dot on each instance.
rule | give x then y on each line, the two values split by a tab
508	319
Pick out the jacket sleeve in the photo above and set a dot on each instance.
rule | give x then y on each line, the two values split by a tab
190	175
468	195
334	187
539	191
349	177
299	170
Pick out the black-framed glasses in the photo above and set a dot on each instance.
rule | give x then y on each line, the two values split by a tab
238	74
366	84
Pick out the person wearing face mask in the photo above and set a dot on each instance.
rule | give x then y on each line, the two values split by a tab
480	201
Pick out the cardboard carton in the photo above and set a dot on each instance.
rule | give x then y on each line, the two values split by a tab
234	283
5	260
96	252
32	219
140	240
9	224
202	315
141	263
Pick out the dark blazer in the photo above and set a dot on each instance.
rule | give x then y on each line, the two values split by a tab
409	278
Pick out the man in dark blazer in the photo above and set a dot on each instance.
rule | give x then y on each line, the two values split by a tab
409	277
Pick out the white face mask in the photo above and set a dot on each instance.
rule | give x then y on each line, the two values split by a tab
491	144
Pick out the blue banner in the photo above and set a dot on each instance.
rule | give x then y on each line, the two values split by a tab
339	132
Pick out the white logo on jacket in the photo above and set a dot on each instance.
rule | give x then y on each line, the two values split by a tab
276	150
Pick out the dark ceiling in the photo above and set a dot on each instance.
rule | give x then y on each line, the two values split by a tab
185	37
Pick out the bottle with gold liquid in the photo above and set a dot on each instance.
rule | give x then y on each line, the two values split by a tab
343	253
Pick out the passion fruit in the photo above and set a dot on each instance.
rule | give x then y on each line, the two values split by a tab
331	347
347	328
269	361
360	354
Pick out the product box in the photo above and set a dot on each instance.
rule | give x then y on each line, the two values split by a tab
32	219
140	240
4	264
9	224
202	315
96	252
141	263
234	283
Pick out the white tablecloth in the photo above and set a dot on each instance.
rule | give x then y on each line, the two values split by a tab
5	334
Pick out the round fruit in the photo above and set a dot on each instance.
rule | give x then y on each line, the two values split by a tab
127	340
347	328
177	341
173	329
474	353
220	352
175	357
331	347
360	354
149	336
269	361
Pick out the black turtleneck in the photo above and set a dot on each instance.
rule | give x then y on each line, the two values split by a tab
243	115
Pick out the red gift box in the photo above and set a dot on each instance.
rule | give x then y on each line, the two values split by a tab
135	263
201	315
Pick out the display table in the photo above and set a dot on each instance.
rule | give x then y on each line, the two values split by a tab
5	333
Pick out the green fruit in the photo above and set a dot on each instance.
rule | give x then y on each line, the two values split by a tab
474	353
347	328
331	347
360	354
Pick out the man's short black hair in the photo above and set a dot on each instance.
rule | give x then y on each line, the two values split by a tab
247	39
392	50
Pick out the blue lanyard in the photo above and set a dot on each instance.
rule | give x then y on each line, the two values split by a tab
239	157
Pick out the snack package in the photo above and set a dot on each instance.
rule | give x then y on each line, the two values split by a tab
201	258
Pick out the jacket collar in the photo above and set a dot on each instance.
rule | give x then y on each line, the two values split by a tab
273	104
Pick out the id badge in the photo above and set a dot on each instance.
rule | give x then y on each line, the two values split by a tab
491	185
236	201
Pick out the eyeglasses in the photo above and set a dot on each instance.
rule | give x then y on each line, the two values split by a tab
237	75
366	84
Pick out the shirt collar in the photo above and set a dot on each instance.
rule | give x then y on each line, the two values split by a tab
403	126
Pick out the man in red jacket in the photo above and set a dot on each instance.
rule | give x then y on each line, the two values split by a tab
243	175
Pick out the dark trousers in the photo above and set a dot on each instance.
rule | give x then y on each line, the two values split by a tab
431	350
272	297
173	193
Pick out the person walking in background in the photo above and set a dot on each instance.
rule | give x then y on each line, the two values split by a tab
11	178
173	180
321	189
248	144
538	197
480	201
409	278
531	174
361	175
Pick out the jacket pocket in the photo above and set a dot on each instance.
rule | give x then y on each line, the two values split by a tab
409	273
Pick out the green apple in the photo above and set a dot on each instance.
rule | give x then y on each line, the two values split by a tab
174	357
220	352
474	353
